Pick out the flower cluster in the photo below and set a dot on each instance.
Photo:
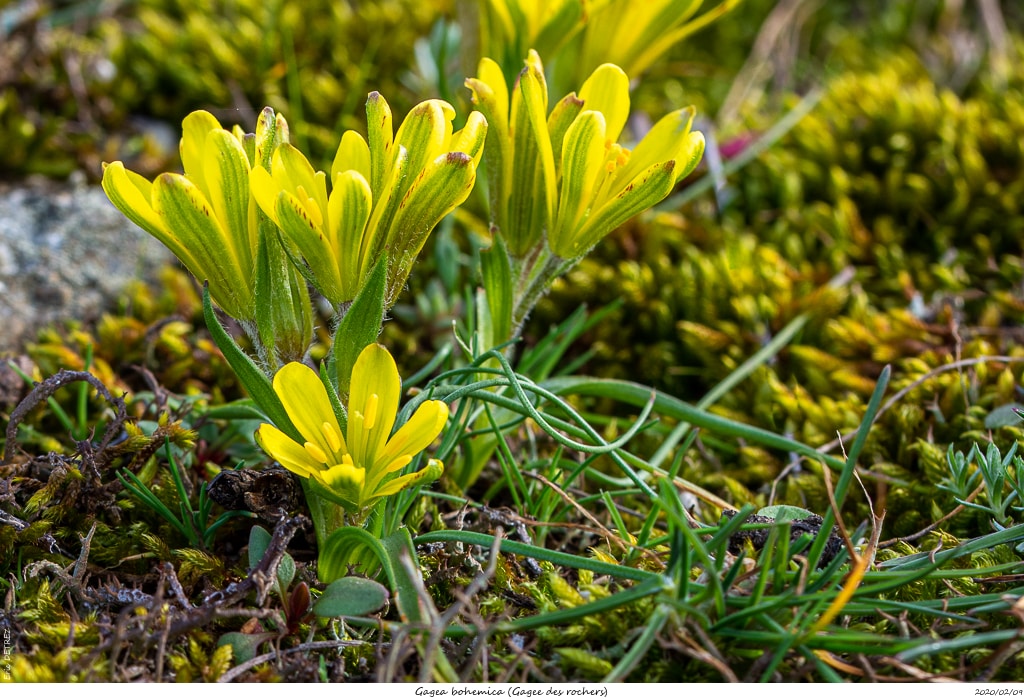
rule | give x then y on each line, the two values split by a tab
563	177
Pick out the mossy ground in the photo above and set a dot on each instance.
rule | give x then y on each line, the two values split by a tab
887	223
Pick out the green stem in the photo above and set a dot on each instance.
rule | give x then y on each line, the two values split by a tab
533	276
327	517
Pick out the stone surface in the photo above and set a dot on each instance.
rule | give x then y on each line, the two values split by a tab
65	253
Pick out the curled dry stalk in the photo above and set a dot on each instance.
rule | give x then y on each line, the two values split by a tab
46	389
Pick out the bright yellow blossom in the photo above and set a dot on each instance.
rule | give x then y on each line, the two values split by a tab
209	220
563	176
387	194
357	466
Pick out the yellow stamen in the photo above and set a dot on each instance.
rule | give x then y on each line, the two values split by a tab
370	415
331	435
315	452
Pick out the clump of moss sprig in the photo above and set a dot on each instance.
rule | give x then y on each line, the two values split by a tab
87	84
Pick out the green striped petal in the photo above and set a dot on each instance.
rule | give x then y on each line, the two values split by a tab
226	171
644	192
185	209
348	210
380	138
582	165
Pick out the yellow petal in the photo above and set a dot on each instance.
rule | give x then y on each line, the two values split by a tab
194	129
305	400
374	373
185	209
689	154
348	208
289	453
425	131
440	187
470	139
226	171
130	193
661	143
416	435
582	165
264	190
352	154
429	473
345	481
532	192
292	170
380	138
645	191
607	91
490	74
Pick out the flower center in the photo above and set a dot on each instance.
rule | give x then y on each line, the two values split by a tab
333	440
617	157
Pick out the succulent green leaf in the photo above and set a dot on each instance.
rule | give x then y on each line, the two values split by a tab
259	541
785	514
351	596
355	546
244	646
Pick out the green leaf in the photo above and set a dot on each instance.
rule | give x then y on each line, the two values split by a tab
286	571
255	382
351	545
351	597
244	646
1004	416
397	545
360	326
259	540
496	274
785	514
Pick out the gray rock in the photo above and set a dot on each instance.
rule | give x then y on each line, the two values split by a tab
65	253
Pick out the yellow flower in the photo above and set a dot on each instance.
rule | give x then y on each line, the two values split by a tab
357	466
208	219
386	196
203	215
579	35
563	176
